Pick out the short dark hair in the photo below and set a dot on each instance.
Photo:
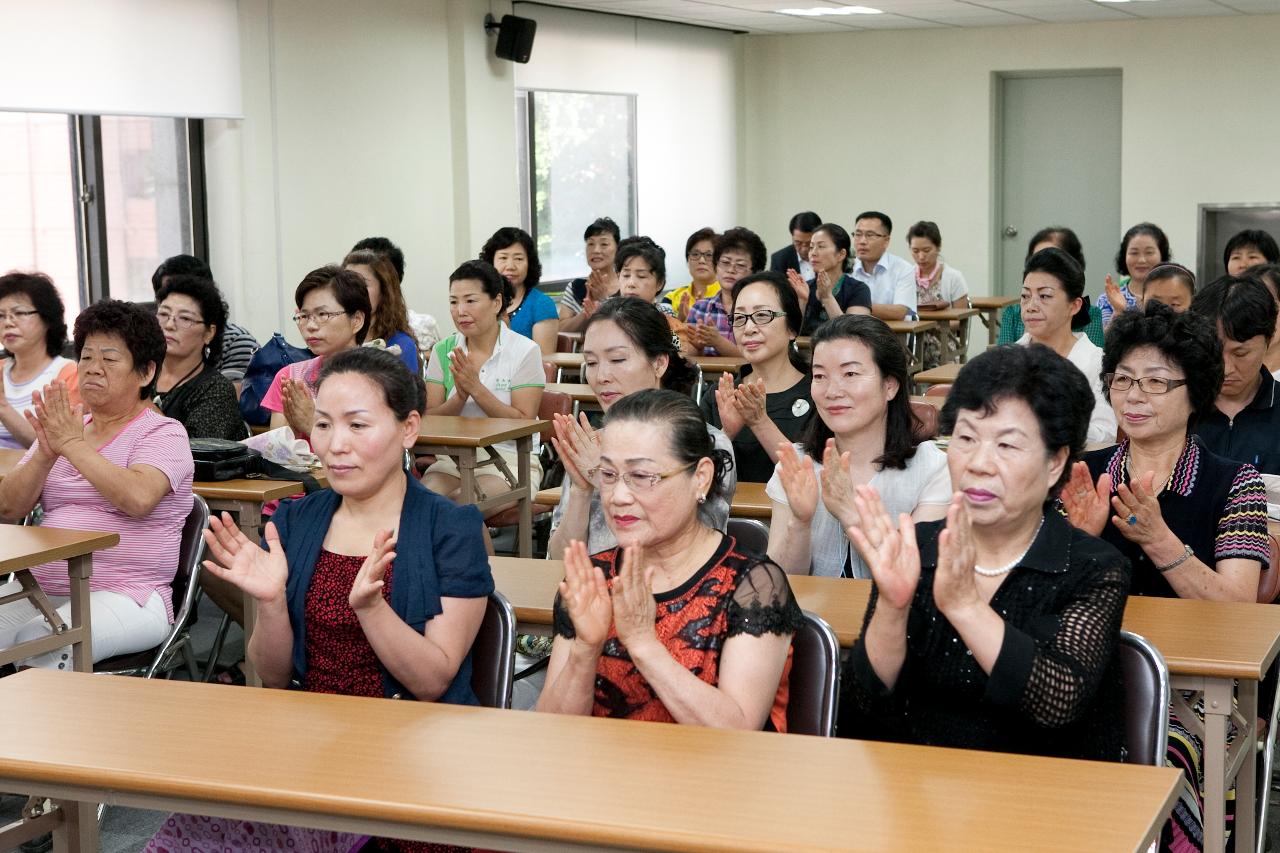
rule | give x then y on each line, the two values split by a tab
402	390
1149	229
1258	239
790	307
1057	263
135	326
1053	388
1188	340
690	441
603	225
805	222
1062	237
44	296
875	214
391	315
697	237
840	237
387	249
492	282
347	287
926	229
643	247
511	236
891	360
648	329
213	310
1176	272
179	265
739	239
1268	274
1242	305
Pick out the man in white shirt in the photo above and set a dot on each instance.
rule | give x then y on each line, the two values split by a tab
892	279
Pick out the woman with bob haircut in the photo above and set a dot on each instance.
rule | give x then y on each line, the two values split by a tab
34	331
531	312
1143	247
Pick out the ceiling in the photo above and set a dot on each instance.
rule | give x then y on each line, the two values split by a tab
761	16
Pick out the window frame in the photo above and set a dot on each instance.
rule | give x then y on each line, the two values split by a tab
526	148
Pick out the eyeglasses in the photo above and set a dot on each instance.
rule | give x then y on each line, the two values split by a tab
183	321
868	235
701	256
761	318
16	315
730	266
607	477
302	318
1148	384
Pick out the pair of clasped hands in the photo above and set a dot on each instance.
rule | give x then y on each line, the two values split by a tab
825	284
57	423
886	545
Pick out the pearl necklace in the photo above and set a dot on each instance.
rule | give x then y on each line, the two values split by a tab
1008	567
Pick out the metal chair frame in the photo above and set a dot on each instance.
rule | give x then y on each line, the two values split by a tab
830	650
1159	725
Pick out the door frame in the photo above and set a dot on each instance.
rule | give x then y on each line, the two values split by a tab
999	280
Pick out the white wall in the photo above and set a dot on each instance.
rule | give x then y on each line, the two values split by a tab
386	117
686	84
902	121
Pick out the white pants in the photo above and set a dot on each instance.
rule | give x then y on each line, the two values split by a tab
119	625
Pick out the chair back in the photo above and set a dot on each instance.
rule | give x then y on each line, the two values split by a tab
927	429
1146	699
751	533
493	659
941	390
815	679
553	403
1269	579
550	371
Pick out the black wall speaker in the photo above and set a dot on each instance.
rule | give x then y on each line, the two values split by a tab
515	36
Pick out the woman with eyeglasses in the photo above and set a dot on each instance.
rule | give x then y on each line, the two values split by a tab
1054	307
739	252
699	253
190	388
865	433
771	403
1193	524
674	623
627	347
333	315
34	332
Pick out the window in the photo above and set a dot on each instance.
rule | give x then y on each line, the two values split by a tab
98	202
577	163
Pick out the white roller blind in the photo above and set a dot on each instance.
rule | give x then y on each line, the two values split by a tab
121	57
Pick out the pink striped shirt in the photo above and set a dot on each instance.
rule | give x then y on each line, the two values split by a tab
147	557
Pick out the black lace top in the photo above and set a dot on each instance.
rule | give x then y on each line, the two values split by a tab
733	593
1055	688
206	405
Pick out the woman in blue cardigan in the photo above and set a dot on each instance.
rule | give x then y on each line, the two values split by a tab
373	587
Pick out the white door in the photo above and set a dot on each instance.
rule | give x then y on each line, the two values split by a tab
1058	164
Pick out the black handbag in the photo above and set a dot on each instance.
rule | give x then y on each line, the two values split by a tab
220	459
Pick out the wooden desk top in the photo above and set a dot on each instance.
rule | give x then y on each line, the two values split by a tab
246	490
605	782
1201	638
579	392
455	431
991	303
943	373
23	547
909	327
708	363
749	501
948	314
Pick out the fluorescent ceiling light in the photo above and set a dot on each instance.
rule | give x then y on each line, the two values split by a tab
819	11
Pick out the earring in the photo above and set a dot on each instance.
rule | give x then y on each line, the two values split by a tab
702	499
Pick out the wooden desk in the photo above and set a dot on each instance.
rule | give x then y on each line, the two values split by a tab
749	501
461	438
955	342
581	394
943	374
991	307
461	775
1207	645
711	364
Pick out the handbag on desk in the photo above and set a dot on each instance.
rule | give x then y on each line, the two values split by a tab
221	459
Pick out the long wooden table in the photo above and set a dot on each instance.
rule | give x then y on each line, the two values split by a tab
461	775
462	438
1208	645
943	374
955	342
991	307
710	364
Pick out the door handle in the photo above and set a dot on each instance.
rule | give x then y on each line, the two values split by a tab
1010	231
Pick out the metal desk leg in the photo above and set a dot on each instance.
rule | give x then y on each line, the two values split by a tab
991	319
1246	782
78	830
964	340
1218	705
524	447
80	569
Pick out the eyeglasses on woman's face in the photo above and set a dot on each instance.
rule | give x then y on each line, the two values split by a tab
636	481
1147	384
17	315
181	320
320	318
760	318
